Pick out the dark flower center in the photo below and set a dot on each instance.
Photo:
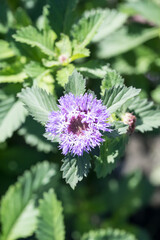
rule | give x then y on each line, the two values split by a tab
76	126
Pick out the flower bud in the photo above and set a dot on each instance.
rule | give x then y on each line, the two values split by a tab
129	119
63	58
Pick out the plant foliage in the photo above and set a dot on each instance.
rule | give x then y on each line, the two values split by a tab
20	200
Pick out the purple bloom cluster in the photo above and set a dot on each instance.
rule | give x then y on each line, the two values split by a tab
78	123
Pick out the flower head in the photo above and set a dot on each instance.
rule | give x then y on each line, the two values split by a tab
78	123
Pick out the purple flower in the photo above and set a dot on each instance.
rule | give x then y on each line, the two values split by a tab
78	123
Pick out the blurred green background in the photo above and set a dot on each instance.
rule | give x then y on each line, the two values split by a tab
129	198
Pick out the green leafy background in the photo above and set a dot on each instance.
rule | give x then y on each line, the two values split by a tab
114	46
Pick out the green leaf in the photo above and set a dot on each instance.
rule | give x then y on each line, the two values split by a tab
116	96
118	128
33	135
64	46
146	8
50	64
108	234
125	39
111	79
6	51
50	221
18	206
33	37
38	102
75	168
148	120
79	51
76	84
45	16
87	26
93	69
148	117
12	115
110	152
112	21
41	75
62	15
16	78
63	74
139	105
34	69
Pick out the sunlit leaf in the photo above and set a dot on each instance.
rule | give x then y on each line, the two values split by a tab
38	102
33	37
75	168
87	26
116	96
20	202
50	221
76	84
12	115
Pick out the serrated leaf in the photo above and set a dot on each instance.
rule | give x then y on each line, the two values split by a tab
64	46
87	26
110	152
41	76
139	105
116	96
125	39
108	234
148	117
112	21
93	69
75	168
20	199
33	135
63	74
149	9
79	51
111	79
5	50
34	69
50	221
38	102
148	120
76	84
12	115
33	37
